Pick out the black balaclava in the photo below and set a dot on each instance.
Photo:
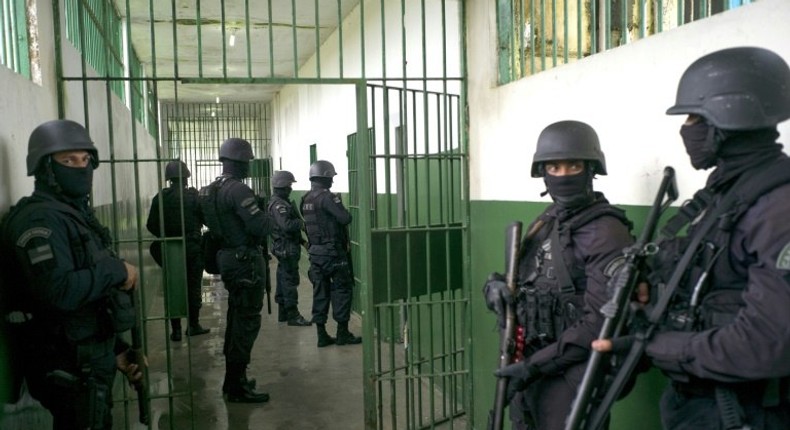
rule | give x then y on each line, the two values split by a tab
237	169
702	142
740	151
73	182
283	192
323	182
571	191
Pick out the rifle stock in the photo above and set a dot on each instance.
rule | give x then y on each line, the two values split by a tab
615	315
143	406
512	238
267	261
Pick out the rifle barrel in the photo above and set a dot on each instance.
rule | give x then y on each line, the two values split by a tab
614	313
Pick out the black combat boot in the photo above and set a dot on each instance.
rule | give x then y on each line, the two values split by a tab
237	386
324	339
175	329
249	382
282	315
345	337
195	328
296	319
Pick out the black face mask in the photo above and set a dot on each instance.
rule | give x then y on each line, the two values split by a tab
284	192
702	144
570	191
75	182
237	169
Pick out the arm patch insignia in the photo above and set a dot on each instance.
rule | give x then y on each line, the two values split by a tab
34	232
783	261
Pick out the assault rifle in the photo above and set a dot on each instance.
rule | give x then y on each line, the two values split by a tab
584	413
507	343
268	258
512	237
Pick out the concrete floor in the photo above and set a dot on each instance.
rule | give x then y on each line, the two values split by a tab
310	387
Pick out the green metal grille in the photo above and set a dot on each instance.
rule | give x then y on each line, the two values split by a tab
537	35
418	310
13	37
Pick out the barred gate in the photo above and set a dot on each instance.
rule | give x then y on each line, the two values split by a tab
415	309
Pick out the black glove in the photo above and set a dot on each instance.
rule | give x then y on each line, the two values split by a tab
519	375
497	294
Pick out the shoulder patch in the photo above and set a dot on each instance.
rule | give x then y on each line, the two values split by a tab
251	205
336	198
614	266
34	232
282	209
40	254
783	261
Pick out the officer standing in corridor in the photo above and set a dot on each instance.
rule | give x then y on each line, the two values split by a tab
230	210
287	247
70	297
177	201
326	222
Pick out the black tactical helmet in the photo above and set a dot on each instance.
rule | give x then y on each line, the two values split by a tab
322	169
742	88
177	169
568	140
235	149
282	179
56	136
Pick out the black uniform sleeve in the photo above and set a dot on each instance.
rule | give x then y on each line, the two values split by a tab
756	344
599	244
257	223
153	218
287	222
334	206
43	249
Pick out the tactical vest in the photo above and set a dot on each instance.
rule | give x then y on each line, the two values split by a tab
284	244
701	301
325	235
171	205
93	321
551	291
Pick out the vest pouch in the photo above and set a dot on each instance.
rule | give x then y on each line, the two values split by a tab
569	309
212	243
120	307
719	307
546	305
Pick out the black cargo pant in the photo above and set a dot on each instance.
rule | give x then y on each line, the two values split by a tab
242	271
333	284
286	292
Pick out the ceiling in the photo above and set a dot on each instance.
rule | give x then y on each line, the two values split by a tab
172	40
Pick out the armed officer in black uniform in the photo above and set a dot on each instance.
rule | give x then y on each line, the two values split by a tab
326	222
566	259
230	210
177	201
287	247
726	340
69	298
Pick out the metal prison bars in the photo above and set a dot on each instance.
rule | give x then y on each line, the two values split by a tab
537	35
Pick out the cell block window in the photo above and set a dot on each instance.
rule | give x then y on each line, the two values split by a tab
538	35
15	43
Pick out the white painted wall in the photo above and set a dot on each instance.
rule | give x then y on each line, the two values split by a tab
26	105
325	115
623	93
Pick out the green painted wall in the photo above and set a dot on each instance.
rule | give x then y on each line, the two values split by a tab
488	220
